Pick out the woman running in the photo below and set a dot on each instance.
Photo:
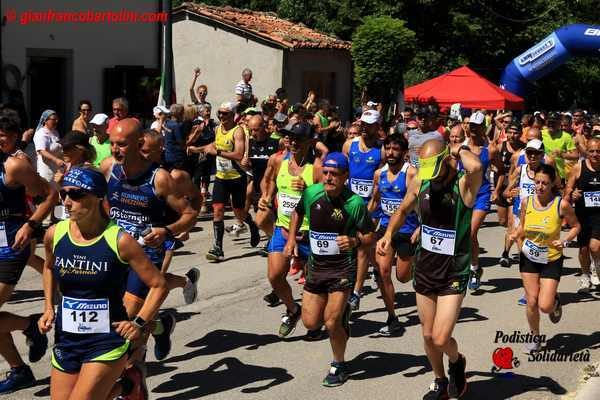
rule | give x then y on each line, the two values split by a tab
87	257
541	258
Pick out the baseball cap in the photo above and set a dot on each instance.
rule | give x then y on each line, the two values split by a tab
370	117
515	125
228	105
372	103
553	116
477	118
412	124
336	160
251	111
429	168
299	130
161	110
99	119
280	118
535	144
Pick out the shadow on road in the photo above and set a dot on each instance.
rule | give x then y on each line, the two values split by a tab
501	387
570	297
470	314
375	364
226	374
45	391
573	342
26	296
499	285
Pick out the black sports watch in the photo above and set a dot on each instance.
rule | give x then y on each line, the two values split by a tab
33	224
139	322
463	147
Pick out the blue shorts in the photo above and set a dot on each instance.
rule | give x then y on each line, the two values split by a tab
278	241
483	201
135	288
69	356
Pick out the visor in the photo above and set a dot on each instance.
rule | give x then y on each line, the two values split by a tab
429	168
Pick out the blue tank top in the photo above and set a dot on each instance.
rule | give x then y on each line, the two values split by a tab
134	205
362	168
484	157
91	278
12	216
391	195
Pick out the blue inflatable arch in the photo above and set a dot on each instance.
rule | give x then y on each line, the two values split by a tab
554	50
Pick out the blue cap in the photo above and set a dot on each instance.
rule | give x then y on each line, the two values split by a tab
88	179
336	160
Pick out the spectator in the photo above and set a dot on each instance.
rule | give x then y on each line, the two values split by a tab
161	114
100	140
558	144
202	134
77	151
47	146
120	108
322	121
81	124
311	101
578	121
199	95
175	138
243	91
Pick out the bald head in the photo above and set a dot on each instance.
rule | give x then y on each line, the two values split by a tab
126	139
457	134
534	133
129	127
256	125
431	148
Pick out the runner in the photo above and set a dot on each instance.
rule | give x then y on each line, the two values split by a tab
541	258
291	175
390	185
230	181
488	154
444	198
17	176
365	155
140	192
86	258
338	223
583	188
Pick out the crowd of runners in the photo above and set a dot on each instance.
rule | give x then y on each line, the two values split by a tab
112	200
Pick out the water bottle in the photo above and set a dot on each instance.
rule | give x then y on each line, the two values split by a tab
143	233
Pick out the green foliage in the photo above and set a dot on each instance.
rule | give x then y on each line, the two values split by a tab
380	48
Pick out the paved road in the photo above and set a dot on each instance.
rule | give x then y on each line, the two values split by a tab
225	345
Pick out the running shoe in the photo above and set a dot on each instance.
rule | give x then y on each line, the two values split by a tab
337	375
264	251
289	321
392	326
254	235
295	266
314	335
190	290
556	313
457	381
505	262
236	230
522	301
37	342
136	377
594	279
215	254
438	390
162	342
375	277
475	281
272	299
354	301
530	348
584	284
16	379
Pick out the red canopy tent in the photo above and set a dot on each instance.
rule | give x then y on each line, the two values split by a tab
464	86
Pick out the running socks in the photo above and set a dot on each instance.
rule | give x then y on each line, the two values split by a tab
159	328
474	267
248	220
505	254
219	230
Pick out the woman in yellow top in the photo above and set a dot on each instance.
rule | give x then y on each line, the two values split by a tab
541	248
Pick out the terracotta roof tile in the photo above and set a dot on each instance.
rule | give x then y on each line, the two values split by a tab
268	26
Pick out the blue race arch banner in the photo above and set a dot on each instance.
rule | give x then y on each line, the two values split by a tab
576	40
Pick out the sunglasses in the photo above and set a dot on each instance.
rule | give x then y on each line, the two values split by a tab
223	112
533	153
85	109
506	122
74	194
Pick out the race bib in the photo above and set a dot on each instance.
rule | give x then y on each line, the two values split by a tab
527	189
437	240
389	206
60	212
84	316
224	164
592	199
362	187
534	252
287	203
3	238
323	243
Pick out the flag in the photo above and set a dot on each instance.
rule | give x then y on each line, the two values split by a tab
166	94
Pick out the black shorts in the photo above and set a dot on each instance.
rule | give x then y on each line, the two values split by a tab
224	188
552	270
11	271
328	280
204	169
590	227
400	243
501	200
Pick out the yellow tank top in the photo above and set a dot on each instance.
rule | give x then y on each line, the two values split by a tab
542	227
226	168
287	198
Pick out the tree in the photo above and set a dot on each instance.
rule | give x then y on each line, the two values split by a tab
381	48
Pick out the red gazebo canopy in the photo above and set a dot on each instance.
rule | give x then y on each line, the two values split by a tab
464	86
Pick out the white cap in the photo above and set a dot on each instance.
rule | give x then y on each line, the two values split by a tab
372	103
477	118
370	117
535	144
99	119
228	105
161	110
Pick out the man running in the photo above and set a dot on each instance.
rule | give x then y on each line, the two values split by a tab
338	223
365	155
229	148
583	188
444	199
390	185
291	175
18	177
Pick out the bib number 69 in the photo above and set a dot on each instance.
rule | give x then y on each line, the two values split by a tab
322	244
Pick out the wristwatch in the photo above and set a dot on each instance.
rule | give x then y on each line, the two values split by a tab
463	147
139	322
218	152
33	224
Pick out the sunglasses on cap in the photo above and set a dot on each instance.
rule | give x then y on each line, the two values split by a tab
74	194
